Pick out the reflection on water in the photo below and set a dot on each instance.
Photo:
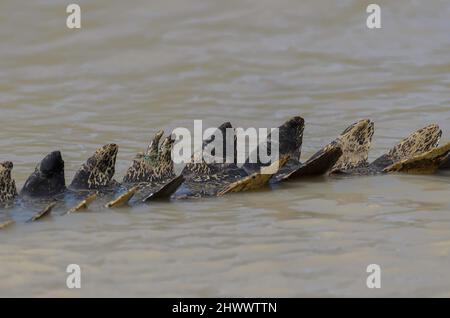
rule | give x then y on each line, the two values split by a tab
138	66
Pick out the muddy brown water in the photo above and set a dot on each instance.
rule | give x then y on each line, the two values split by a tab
138	66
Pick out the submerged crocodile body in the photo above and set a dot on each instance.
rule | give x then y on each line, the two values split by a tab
151	174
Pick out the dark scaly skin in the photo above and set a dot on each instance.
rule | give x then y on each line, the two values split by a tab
207	179
46	184
164	168
415	154
160	167
98	171
218	179
256	180
209	185
319	164
290	144
155	178
45	188
424	163
200	167
165	191
445	165
347	151
151	156
48	178
419	142
8	190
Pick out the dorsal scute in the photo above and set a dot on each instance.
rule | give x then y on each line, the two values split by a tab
423	163
152	153
355	143
8	190
202	161
48	178
290	140
98	171
417	143
291	137
165	166
153	165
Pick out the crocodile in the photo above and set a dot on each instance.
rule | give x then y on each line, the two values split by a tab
151	175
